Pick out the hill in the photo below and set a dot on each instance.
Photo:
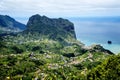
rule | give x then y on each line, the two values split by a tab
8	24
48	50
55	29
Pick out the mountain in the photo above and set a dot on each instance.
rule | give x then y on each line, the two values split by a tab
8	24
55	29
40	53
48	34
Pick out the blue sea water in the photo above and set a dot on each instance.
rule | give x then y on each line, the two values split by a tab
98	30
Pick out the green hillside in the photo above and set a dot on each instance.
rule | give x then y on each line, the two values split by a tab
48	50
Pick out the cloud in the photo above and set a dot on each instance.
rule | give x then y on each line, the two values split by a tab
66	8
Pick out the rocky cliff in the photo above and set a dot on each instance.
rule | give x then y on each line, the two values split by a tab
55	29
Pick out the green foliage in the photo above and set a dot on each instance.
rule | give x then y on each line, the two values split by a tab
13	65
17	49
45	59
109	70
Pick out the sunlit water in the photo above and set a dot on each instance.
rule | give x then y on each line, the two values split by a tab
99	31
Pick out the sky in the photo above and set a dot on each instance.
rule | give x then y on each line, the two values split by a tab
22	9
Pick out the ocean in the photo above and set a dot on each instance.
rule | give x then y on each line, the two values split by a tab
99	30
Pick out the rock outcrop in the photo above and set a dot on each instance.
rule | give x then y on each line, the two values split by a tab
55	29
97	48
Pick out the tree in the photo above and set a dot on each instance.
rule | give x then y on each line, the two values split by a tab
109	70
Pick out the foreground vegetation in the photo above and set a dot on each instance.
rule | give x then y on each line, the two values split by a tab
47	66
108	70
50	60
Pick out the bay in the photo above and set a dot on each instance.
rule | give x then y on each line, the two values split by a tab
99	30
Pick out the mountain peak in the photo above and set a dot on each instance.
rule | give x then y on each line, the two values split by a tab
9	24
52	28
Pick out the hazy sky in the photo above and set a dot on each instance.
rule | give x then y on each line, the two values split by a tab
60	8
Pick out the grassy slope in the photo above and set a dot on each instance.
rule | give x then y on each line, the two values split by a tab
46	59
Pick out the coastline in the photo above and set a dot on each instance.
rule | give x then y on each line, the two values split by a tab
115	48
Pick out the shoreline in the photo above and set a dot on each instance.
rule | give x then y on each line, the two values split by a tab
115	48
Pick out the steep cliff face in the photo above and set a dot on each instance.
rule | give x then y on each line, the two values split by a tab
8	24
56	29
